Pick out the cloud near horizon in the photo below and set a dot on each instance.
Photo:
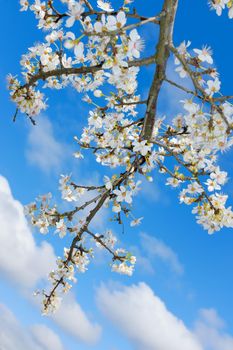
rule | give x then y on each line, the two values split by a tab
14	336
25	263
144	319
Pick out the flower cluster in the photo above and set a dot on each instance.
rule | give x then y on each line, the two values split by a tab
126	266
201	133
69	191
28	100
47	218
63	51
220	5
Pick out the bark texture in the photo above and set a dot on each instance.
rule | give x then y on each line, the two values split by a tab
161	58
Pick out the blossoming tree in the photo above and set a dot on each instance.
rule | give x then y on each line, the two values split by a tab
94	48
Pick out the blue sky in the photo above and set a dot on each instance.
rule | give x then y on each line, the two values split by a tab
178	262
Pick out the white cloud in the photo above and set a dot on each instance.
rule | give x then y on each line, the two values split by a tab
147	323
25	263
44	150
211	317
72	319
14	336
145	320
156	248
45	337
21	259
209	328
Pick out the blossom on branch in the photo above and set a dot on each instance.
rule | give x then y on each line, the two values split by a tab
101	59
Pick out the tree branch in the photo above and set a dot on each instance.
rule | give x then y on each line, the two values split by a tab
80	70
161	58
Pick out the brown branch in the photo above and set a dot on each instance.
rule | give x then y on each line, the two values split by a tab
177	177
161	58
85	228
80	70
70	214
88	4
223	98
101	242
136	122
134	14
188	70
181	87
88	188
